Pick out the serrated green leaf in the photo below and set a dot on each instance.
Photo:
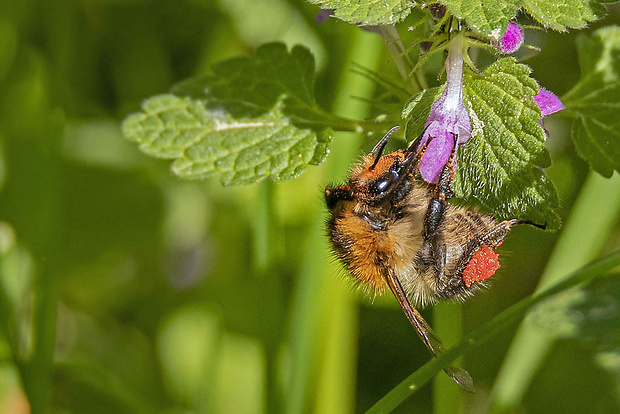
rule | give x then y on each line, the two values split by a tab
500	164
566	14
489	18
251	118
595	101
417	110
252	85
205	142
367	12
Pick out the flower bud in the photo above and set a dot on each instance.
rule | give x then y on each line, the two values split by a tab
512	39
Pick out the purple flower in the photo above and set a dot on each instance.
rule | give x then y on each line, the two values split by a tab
448	122
512	39
548	102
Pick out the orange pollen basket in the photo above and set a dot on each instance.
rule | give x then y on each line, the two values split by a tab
483	264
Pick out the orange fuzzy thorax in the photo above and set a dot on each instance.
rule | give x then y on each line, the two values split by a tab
483	264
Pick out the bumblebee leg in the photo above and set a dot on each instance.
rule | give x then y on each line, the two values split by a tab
446	178
428	336
496	235
492	238
445	286
440	259
420	152
443	191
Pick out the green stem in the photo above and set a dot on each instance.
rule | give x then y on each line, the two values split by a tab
588	227
447	322
266	255
485	332
45	244
343	124
399	53
263	227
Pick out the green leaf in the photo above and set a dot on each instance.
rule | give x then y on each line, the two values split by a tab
417	110
566	14
598	53
252	85
501	163
249	119
596	131
206	142
588	313
489	18
595	101
367	12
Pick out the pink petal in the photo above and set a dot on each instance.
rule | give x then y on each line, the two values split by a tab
548	102
436	156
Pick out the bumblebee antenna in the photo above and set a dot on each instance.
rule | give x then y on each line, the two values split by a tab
378	149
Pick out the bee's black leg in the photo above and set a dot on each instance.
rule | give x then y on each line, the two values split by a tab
443	191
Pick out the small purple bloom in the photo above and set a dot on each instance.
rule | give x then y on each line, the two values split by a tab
323	15
512	39
448	122
548	102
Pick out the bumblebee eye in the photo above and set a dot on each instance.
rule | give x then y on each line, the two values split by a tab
384	184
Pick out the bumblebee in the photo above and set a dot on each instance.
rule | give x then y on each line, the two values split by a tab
391	229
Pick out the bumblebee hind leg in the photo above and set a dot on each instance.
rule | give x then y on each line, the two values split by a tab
492	238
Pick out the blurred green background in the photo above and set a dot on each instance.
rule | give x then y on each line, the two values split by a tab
126	290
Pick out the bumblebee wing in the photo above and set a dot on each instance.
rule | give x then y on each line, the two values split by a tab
428	336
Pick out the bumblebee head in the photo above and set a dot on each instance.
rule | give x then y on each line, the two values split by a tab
378	180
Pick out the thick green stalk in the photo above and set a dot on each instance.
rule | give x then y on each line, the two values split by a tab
585	233
37	370
266	257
